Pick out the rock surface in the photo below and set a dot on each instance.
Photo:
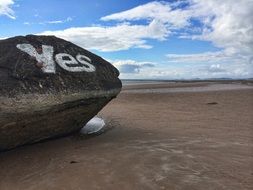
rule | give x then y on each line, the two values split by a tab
50	87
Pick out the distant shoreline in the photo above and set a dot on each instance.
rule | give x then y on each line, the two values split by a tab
175	87
127	82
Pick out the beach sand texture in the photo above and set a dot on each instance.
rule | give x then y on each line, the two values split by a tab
158	136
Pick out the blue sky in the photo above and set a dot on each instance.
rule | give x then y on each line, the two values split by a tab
182	39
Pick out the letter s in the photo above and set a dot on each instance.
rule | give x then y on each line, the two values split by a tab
86	61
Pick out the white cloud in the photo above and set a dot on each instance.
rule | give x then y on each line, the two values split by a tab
161	11
196	58
57	21
131	66
114	38
228	23
231	70
50	22
209	57
224	63
216	68
5	8
131	69
53	22
125	35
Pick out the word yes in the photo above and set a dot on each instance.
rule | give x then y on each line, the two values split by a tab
46	58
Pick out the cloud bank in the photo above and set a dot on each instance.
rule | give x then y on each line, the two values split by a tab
68	19
131	66
113	38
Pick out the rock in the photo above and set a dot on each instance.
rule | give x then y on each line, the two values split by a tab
212	103
94	126
50	87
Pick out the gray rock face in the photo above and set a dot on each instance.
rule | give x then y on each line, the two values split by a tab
50	87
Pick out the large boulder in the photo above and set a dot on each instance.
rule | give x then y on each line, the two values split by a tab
50	87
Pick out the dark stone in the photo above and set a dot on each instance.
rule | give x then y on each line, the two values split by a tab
73	162
212	103
37	104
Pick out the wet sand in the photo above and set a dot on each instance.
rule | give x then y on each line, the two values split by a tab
156	138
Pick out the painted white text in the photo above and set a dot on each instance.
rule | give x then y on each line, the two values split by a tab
65	61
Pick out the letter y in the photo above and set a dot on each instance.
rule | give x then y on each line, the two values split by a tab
46	57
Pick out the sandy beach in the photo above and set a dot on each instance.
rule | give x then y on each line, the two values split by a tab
158	136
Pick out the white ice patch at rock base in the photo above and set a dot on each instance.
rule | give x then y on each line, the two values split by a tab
93	126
